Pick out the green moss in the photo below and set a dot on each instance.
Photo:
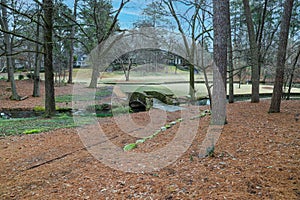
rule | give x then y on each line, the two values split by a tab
168	126
32	131
39	108
130	146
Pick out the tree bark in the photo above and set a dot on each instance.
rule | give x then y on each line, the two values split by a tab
220	24
230	62
260	36
71	59
254	54
281	56
37	64
8	51
292	75
192	82
48	58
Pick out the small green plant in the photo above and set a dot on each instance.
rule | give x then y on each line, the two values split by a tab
130	146
191	158
168	126
210	151
39	108
32	131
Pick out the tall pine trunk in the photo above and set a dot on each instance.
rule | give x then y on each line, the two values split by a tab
292	75
220	23
254	54
71	59
37	64
230	62
48	58
281	56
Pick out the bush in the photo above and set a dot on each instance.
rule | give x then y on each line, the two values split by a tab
21	77
30	75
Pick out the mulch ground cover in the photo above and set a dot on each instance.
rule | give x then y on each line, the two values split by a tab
256	157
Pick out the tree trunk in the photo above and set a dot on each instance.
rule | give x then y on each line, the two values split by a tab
71	59
204	71
230	63
8	52
37	64
254	54
192	82
292	75
281	56
260	36
220	24
207	87
48	58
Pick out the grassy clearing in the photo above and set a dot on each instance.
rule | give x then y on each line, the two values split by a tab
100	93
37	125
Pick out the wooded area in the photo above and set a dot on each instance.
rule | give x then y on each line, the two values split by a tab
156	99
256	32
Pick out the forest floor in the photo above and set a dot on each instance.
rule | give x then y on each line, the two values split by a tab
256	157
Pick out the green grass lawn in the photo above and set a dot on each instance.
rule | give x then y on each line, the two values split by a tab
38	124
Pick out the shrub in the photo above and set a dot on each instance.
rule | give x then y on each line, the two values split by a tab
30	75
21	77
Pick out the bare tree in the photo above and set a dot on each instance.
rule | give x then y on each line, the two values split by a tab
281	57
292	74
71	59
254	54
102	38
37	64
191	47
8	49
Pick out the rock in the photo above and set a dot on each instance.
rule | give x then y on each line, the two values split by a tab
143	101
140	101
167	98
5	115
